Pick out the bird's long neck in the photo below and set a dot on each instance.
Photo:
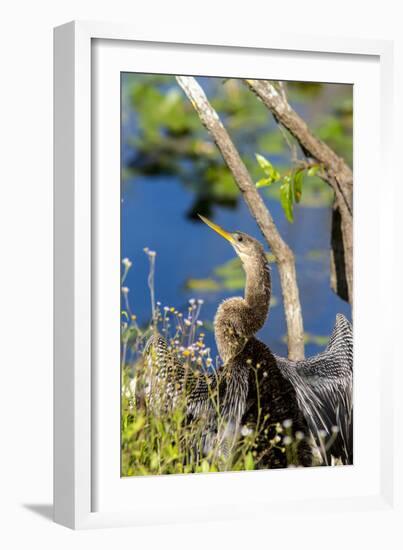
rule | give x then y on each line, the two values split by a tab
238	319
258	287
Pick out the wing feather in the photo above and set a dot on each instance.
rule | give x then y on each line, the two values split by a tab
324	387
169	379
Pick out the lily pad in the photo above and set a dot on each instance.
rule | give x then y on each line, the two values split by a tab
227	276
207	284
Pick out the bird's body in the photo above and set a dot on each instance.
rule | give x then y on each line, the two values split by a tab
256	389
270	403
256	383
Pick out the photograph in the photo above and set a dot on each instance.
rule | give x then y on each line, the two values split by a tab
236	250
203	263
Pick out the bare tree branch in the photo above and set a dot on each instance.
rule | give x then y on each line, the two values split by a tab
334	170
258	209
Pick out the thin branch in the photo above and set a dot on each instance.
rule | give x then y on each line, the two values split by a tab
258	209
291	145
335	170
283	90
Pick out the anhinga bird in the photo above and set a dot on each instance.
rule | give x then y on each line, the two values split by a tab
258	389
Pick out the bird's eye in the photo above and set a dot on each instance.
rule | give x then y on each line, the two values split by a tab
239	238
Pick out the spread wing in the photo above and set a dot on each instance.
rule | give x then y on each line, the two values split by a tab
169	380
324	387
215	399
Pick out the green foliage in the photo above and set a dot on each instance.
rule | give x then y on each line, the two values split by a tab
272	175
169	138
155	437
157	441
313	170
291	183
298	177
286	198
336	127
162	110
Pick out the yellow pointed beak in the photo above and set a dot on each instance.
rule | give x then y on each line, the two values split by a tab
217	229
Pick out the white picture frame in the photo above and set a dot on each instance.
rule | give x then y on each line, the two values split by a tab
88	491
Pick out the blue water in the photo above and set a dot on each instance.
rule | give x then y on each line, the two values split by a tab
153	215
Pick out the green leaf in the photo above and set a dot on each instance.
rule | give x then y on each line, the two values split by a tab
205	467
154	461
249	462
265	165
275	175
298	178
264	182
286	198
138	424
269	170
313	170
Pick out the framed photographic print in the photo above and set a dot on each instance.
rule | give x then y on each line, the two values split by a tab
212	272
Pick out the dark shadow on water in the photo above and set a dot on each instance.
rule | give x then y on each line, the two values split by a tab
44	510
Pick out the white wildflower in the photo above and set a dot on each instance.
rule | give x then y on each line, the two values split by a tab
287	423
